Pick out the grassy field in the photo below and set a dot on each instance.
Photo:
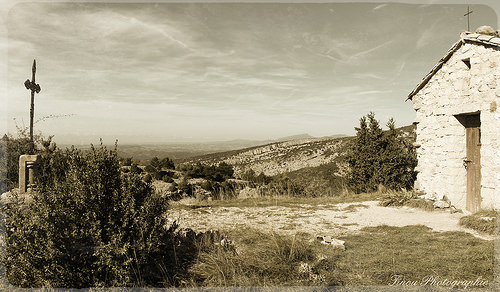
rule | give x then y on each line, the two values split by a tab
374	256
282	201
380	256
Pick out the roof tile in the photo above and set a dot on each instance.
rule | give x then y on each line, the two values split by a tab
485	37
472	36
495	40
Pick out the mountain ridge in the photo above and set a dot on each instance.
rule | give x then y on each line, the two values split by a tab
291	155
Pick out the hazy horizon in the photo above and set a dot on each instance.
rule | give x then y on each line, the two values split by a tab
206	72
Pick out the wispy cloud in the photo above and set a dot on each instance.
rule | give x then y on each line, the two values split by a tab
194	67
380	6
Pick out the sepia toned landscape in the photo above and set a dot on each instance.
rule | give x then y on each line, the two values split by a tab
241	146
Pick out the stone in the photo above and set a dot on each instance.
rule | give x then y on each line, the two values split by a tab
486	30
337	243
457	89
432	197
27	172
441	204
6	198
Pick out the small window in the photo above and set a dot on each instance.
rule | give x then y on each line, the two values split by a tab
466	62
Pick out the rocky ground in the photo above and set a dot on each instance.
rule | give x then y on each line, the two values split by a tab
317	220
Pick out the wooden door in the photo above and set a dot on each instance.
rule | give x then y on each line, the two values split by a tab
472	125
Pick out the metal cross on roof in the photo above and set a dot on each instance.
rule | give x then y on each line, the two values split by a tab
31	85
468	18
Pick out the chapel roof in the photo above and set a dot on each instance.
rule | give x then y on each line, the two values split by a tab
485	36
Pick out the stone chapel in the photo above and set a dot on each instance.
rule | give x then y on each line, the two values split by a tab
458	124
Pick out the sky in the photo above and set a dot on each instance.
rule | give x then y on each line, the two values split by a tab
199	72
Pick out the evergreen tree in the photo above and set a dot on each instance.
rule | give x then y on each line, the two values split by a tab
380	158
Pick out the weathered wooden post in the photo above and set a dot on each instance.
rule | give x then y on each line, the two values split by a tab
33	87
27	163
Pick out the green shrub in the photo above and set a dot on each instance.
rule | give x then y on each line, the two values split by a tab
283	185
134	168
250	176
167	163
219	173
127	161
90	226
148	178
185	187
380	158
150	169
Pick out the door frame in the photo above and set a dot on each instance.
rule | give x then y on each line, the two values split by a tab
472	162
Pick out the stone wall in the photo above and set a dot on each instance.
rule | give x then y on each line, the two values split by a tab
456	89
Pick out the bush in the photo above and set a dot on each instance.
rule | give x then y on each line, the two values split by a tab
283	185
167	163
394	198
134	168
148	178
126	161
219	173
380	158
185	187
90	226
150	169
163	163
250	176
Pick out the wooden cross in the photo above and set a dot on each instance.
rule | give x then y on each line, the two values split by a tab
31	85
468	19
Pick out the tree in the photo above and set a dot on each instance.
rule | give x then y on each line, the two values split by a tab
155	162
167	163
380	158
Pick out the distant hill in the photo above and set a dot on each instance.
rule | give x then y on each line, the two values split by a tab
290	155
183	151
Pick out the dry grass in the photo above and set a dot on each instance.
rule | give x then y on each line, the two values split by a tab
372	257
281	201
354	207
483	221
426	205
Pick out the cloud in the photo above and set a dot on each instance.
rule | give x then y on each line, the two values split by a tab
216	68
380	6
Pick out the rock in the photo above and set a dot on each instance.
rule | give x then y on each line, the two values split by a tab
441	204
486	30
455	210
332	241
6	198
432	197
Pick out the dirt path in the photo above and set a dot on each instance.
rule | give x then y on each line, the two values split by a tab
318	220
